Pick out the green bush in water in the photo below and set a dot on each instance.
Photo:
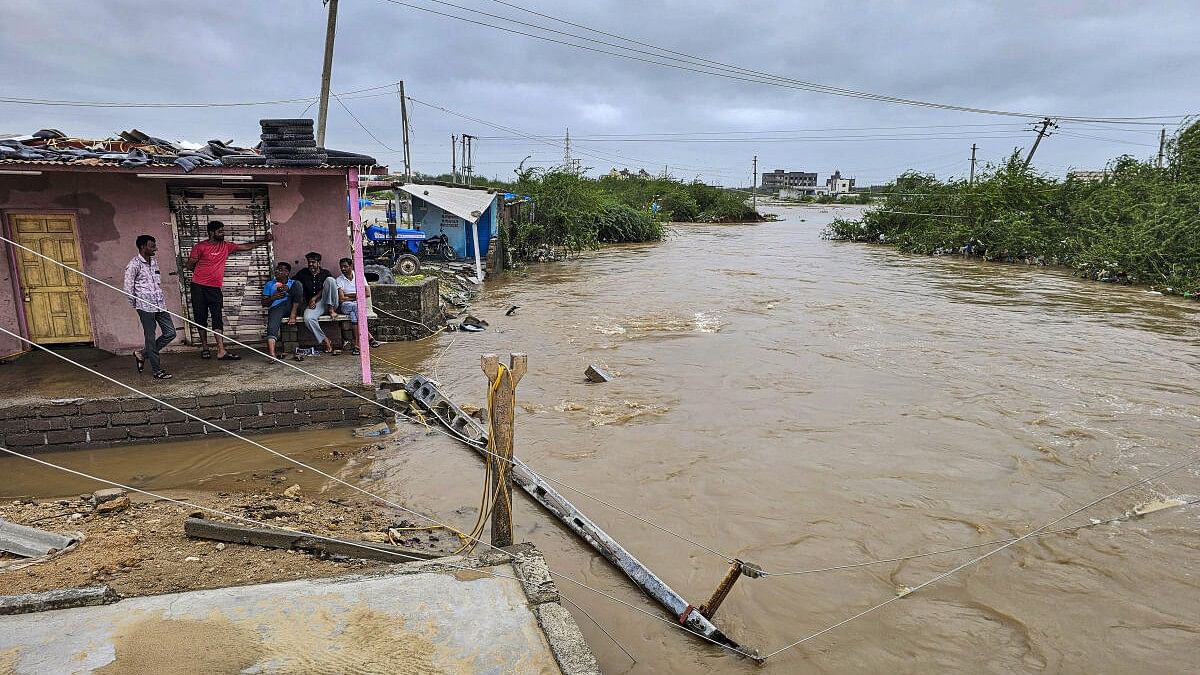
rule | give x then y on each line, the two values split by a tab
1139	224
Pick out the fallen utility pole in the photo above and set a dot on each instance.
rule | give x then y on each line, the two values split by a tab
426	393
199	528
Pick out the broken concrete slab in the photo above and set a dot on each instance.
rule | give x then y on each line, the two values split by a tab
107	494
30	542
62	598
113	505
473	620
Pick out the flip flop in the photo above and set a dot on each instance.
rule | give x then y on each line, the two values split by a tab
205	354
229	356
355	352
137	358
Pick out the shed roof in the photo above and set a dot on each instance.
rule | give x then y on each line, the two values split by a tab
463	202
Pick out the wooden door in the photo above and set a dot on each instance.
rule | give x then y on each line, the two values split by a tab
55	302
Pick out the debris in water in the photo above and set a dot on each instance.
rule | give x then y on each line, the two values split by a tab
1157	505
595	373
381	429
511	310
902	591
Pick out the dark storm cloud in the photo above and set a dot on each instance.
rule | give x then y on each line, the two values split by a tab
1072	58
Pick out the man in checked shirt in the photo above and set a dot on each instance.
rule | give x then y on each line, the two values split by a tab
143	284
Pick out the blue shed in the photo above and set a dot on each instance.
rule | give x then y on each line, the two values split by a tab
467	216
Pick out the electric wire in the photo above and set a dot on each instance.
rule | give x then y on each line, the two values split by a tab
957	549
361	125
1194	458
448	432
1042	529
716	68
520	579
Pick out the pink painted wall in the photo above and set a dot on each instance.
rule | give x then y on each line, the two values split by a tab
310	215
112	209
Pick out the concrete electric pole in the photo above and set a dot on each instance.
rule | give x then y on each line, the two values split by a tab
1043	132
404	124
326	71
973	148
453	158
1162	146
754	187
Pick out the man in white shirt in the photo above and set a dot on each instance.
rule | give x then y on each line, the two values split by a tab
348	299
143	285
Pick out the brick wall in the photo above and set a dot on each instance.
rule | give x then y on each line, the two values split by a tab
93	424
415	305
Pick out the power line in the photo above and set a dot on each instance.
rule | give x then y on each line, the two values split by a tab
719	69
363	126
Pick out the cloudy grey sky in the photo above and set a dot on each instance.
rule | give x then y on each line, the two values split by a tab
1082	58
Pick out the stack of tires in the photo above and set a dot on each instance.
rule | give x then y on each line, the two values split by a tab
290	142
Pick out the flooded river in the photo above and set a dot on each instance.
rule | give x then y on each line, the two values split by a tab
804	404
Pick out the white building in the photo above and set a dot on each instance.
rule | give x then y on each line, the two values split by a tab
836	185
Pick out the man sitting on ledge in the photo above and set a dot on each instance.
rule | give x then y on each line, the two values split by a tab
282	297
321	296
348	300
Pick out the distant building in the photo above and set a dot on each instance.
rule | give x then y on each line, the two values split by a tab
780	179
838	185
1087	176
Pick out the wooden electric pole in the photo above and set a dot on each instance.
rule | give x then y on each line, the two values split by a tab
1046	124
1162	146
326	72
973	147
404	124
502	388
754	187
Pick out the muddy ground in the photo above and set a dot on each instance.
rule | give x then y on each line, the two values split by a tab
141	549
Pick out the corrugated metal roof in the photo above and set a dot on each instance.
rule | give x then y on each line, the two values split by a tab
463	202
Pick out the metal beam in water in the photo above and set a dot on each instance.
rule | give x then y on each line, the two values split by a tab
471	432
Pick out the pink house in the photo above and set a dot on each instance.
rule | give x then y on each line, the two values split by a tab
88	216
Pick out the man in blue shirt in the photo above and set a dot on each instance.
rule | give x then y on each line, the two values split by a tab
281	297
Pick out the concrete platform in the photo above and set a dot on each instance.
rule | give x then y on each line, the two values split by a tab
419	617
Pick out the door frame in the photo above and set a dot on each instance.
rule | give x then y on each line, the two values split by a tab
14	270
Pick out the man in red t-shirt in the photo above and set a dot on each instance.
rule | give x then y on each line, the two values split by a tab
207	264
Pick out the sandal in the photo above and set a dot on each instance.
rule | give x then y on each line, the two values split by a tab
374	343
355	352
162	375
139	360
229	356
205	354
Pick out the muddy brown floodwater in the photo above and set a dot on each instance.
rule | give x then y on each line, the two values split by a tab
804	404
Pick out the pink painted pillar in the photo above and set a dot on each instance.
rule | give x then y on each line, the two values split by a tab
360	277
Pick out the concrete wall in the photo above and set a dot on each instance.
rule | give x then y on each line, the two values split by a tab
119	421
420	304
112	209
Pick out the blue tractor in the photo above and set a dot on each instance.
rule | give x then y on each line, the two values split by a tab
403	249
